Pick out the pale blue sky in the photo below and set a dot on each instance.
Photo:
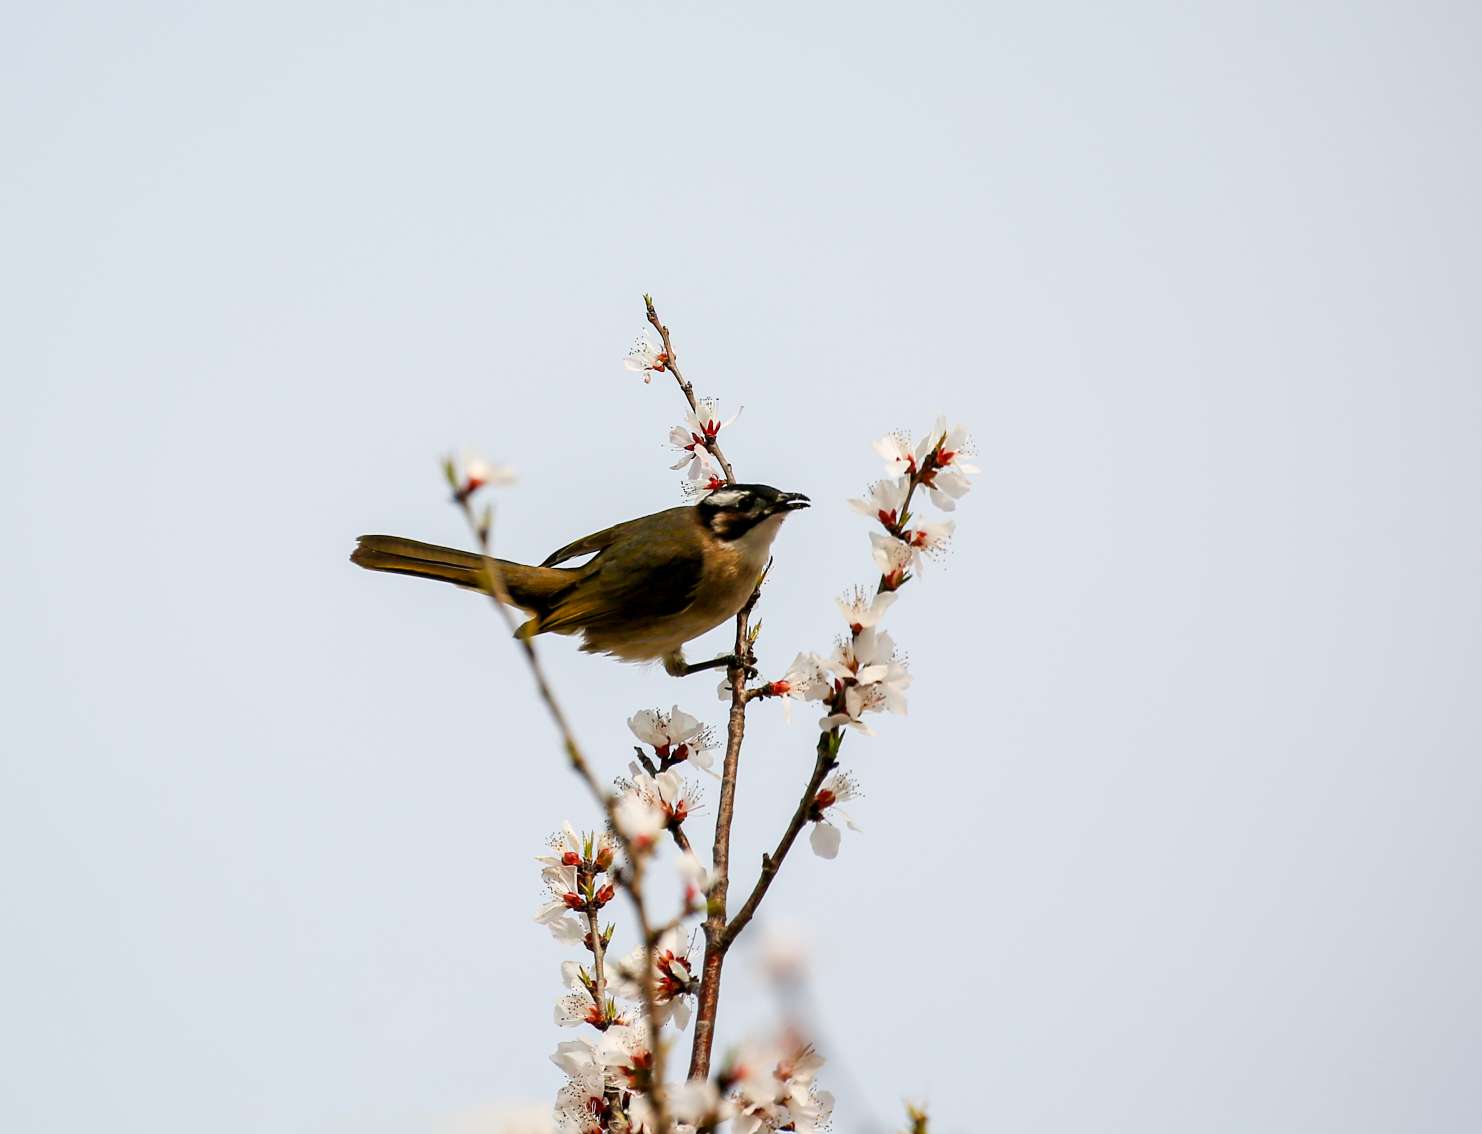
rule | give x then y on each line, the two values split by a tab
1181	831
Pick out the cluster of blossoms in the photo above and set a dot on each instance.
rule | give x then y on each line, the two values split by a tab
866	673
936	465
610	1068
675	737
659	803
610	1074
575	894
764	1088
656	798
770	1087
694	439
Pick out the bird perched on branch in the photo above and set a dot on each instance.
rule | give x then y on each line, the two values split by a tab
654	583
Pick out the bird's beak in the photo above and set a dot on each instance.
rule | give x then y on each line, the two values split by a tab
791	502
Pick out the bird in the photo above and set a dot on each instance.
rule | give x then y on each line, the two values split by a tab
653	584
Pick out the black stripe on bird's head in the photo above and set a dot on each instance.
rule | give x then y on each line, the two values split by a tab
734	509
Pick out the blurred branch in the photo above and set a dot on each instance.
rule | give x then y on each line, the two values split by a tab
632	878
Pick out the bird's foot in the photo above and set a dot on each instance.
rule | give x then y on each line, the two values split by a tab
678	667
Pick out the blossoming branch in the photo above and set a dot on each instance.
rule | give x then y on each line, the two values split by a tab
628	1012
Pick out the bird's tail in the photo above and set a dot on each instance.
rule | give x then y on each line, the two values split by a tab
530	588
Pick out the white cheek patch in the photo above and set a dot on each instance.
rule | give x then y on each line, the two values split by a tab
727	497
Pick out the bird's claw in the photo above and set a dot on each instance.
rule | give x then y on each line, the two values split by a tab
725	661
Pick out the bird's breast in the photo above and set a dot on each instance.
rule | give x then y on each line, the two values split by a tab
732	568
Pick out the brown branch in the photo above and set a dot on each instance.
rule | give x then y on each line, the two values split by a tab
714	926
826	761
715	905
599	967
671	364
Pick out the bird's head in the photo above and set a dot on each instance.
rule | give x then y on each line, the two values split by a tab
735	509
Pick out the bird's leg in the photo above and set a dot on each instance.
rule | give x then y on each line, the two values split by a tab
676	666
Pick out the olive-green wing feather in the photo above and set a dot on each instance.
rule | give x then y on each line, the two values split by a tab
634	579
597	541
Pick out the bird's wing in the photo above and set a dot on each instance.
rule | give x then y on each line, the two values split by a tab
597	541
634	580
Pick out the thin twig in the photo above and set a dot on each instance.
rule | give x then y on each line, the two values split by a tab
825	762
672	365
599	967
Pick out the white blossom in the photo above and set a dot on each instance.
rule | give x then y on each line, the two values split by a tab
646	356
638	820
674	976
467	474
865	657
929	539
570	849
946	480
668	791
695	877
896	449
568	841
704	420
576	1008
863	608
694	457
694	489
696	1102
693	439
856	704
878	682
623	1055
674	736
568	930
562	898
892	557
481	472
825	813
775	1091
886	500
576	1105
578	1058
693	1103
807	679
